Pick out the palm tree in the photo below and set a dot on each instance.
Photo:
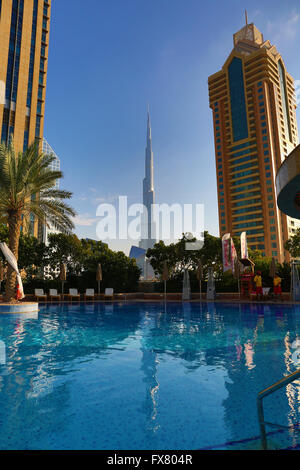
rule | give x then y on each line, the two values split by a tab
27	187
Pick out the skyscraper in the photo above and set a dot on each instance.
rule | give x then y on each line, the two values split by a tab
55	165
148	227
147	224
47	230
24	39
254	114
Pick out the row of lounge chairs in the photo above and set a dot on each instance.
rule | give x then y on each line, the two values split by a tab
72	295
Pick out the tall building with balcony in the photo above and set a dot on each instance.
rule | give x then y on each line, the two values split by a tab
24	40
254	115
55	166
47	230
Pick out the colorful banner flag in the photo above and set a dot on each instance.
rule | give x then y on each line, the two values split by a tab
244	246
233	255
226	252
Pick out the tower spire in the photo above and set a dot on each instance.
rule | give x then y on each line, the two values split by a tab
246	17
148	226
148	125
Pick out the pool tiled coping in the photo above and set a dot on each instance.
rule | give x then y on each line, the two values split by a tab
21	307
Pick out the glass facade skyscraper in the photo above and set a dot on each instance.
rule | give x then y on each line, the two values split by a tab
55	166
24	40
254	114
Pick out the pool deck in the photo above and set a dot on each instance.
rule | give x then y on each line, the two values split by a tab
27	306
21	307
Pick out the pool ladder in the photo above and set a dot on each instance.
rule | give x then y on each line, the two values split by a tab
260	409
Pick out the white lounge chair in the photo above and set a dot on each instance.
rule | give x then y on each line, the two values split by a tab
73	294
54	295
109	293
40	295
89	294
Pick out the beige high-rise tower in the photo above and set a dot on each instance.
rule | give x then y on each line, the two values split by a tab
254	113
24	39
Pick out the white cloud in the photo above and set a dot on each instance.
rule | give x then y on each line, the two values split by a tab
285	29
105	200
84	220
94	196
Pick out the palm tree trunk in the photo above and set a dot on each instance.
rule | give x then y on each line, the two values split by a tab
14	223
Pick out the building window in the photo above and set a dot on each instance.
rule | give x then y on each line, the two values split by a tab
237	99
287	123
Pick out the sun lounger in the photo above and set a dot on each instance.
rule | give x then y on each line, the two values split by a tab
89	294
109	293
39	294
266	291
53	295
73	294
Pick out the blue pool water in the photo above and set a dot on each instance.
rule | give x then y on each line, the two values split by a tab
146	376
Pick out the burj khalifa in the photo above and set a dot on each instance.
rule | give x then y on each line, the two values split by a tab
148	225
148	228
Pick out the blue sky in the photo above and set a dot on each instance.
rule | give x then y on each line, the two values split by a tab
109	58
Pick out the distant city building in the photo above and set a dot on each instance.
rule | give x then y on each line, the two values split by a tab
46	231
24	39
148	230
254	113
55	166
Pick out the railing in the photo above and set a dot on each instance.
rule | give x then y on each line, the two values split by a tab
260	409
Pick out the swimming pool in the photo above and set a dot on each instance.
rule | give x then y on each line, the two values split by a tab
147	376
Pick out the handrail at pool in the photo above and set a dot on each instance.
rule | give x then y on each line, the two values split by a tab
260	409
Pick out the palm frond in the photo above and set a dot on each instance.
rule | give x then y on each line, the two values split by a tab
27	186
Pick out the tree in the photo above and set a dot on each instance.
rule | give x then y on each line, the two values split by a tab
27	187
119	271
32	253
293	244
211	252
179	258
160	254
65	248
